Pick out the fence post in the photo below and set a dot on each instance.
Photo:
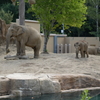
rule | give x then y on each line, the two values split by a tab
66	51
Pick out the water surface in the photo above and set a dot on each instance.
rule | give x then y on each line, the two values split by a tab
65	96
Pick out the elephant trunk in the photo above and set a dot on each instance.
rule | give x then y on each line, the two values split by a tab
7	43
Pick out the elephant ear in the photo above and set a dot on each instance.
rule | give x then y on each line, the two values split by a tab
20	31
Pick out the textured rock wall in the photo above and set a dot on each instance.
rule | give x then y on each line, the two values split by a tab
77	81
4	86
25	86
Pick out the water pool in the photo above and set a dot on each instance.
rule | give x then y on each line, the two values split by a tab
97	97
68	96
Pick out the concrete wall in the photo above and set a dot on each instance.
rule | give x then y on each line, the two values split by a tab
53	41
31	23
91	41
67	42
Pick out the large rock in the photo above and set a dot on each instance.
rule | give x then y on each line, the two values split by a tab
25	87
28	84
92	50
24	84
4	85
49	86
77	81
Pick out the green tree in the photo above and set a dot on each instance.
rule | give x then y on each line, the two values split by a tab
4	2
94	13
8	7
68	12
6	16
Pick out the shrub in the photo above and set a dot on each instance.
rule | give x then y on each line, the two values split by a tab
85	95
12	9
6	16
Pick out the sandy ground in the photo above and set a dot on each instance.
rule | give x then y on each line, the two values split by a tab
49	63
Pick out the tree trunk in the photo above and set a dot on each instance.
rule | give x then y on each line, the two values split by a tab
46	38
21	12
97	19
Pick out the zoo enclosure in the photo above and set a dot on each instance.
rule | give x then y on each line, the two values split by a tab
63	44
60	43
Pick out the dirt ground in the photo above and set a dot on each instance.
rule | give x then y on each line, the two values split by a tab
65	63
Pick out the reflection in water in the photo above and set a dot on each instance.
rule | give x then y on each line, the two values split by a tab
64	96
59	96
97	97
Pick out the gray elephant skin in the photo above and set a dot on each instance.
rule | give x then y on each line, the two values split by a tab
25	36
81	47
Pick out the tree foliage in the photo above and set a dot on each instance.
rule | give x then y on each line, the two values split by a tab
68	12
6	16
9	7
94	13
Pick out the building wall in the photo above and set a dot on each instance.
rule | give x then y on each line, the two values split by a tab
91	41
55	39
31	23
51	42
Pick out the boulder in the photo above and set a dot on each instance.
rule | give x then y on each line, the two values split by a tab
92	50
77	81
49	86
26	84
25	87
4	85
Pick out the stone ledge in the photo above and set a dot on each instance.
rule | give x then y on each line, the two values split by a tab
82	89
25	84
6	96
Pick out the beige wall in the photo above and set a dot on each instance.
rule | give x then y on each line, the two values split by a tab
31	23
90	40
63	39
50	45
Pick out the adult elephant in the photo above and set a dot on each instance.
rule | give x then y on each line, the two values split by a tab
81	46
25	36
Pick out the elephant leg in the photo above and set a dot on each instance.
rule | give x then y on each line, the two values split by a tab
18	48
22	48
36	52
77	54
87	54
82	54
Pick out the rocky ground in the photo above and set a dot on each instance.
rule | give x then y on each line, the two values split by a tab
51	63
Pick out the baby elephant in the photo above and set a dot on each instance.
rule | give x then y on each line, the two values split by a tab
81	46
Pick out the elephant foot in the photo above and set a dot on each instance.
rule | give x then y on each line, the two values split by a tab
82	57
36	57
23	57
44	53
20	54
9	57
77	57
87	56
